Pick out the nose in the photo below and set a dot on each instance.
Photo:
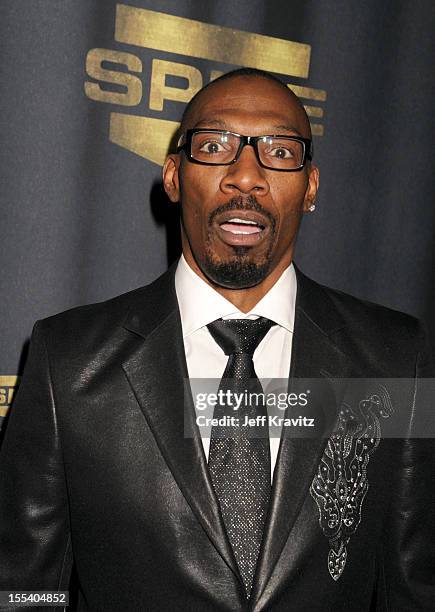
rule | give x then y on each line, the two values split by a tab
245	175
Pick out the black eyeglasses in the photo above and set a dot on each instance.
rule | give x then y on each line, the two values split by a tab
222	148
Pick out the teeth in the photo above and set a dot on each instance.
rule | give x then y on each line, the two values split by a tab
237	220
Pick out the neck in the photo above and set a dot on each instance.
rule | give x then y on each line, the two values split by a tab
243	299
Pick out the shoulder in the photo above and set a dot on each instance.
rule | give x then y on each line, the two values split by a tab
105	319
109	311
350	309
363	312
378	335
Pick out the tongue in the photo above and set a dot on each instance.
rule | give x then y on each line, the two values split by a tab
237	228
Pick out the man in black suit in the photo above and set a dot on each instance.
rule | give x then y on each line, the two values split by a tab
104	472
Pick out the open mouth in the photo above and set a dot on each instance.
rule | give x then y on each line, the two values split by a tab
245	228
238	226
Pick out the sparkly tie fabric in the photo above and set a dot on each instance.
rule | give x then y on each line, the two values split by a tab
239	457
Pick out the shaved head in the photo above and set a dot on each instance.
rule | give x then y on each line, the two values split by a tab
264	79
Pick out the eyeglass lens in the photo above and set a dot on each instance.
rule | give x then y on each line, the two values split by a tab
221	148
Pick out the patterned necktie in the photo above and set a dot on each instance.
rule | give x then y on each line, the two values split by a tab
239	457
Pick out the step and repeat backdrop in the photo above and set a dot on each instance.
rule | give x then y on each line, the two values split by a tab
91	95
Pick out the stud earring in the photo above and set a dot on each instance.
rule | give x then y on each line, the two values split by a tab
312	208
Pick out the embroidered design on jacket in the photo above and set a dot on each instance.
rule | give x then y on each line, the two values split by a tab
341	482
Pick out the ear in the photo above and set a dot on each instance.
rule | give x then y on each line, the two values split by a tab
312	187
171	181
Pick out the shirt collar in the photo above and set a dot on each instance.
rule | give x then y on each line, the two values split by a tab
200	304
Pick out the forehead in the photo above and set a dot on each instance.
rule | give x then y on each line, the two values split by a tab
252	104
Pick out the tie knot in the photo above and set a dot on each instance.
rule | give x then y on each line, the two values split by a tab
239	335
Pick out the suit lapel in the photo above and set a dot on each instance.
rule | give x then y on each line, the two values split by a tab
157	372
316	356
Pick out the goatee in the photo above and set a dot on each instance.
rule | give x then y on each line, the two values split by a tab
240	272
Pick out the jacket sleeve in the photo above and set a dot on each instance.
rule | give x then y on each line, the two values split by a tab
35	549
409	545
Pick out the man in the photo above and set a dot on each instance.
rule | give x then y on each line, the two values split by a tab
98	469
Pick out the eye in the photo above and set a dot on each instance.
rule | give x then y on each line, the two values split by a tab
211	147
281	152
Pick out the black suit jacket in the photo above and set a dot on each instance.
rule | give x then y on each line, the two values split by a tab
97	474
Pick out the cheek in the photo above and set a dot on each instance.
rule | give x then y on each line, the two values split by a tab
192	221
288	196
195	215
198	196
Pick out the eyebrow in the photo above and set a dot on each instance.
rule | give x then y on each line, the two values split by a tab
208	122
288	128
220	123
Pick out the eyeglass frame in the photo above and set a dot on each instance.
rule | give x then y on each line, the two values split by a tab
245	140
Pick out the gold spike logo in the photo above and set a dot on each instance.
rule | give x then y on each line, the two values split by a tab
116	76
8	385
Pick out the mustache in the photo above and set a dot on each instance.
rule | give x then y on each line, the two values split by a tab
241	203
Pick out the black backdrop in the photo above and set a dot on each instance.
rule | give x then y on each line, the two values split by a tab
83	218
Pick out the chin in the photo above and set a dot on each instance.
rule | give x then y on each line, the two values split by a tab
240	273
